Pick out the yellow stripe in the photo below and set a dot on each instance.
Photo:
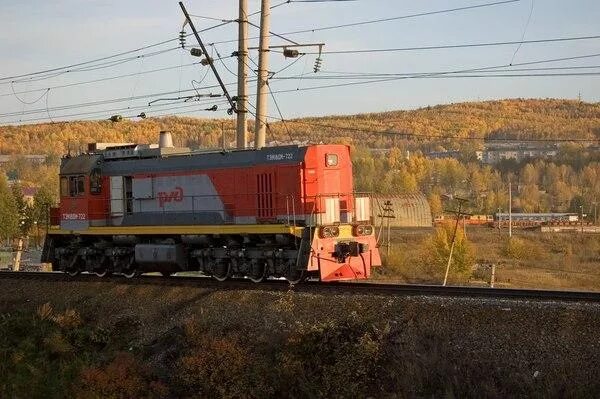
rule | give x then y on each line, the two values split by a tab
166	230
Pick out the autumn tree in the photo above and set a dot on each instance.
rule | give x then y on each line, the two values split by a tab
9	214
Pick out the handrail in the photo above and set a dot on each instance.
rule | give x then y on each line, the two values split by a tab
228	208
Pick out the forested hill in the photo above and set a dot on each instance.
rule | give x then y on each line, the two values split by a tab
431	126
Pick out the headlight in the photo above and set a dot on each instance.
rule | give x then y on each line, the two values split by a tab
329	231
363	230
331	160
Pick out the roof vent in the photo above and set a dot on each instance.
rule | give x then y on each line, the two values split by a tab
165	139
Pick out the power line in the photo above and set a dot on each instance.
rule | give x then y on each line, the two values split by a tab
386	19
108	64
102	102
453	46
106	112
46	71
385	79
93	61
361	74
430	136
483	74
390	79
99	80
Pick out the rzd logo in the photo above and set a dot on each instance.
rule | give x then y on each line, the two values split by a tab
164	197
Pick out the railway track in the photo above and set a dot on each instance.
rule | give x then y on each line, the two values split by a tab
351	288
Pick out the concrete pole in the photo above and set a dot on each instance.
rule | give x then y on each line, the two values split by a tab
17	260
242	124
509	209
263	74
458	214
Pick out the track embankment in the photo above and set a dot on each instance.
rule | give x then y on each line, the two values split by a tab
347	288
175	337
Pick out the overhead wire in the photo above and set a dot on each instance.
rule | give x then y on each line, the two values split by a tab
524	32
454	46
105	78
429	136
93	61
385	19
104	65
385	79
148	108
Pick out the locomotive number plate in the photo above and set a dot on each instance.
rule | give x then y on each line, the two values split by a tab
74	216
280	157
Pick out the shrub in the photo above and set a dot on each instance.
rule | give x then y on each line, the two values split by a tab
220	367
123	377
435	251
330	360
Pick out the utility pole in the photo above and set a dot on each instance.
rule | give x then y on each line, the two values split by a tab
242	123
459	213
208	59
263	76
509	209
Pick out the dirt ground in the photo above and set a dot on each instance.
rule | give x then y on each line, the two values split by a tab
195	342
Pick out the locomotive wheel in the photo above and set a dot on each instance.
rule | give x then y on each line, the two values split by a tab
258	272
222	270
295	276
102	272
73	268
73	272
131	273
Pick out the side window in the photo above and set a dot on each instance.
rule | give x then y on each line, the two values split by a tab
80	185
64	187
95	181
72	186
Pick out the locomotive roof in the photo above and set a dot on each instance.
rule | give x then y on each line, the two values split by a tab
177	161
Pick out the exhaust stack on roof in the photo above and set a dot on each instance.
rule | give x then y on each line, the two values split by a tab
165	139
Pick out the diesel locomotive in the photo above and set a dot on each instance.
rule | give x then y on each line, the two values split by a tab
287	211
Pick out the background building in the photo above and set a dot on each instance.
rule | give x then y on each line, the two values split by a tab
408	210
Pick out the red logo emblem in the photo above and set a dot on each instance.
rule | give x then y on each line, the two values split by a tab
175	195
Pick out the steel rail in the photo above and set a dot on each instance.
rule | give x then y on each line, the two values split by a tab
349	288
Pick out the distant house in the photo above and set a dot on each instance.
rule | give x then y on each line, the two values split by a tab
36	159
443	154
496	152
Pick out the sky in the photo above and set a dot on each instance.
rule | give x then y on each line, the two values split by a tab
39	35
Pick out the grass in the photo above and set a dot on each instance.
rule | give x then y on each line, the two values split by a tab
529	260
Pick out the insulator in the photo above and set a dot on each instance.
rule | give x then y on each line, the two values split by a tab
290	53
213	108
318	63
196	52
182	38
142	115
206	61
116	118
